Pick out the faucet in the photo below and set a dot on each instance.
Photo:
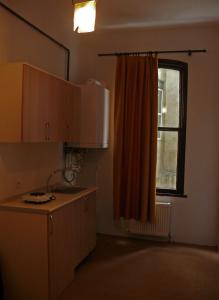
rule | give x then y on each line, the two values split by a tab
74	170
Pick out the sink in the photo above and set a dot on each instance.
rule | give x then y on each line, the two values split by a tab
68	189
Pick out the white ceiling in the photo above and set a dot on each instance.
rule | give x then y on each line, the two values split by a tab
145	13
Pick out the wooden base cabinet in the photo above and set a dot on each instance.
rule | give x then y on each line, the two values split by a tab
88	225
24	255
64	246
39	252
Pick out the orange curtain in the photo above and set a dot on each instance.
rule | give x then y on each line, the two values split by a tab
135	137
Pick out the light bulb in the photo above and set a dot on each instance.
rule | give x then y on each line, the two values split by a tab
84	16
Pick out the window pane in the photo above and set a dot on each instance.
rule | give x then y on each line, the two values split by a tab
167	148
160	106
168	97
159	120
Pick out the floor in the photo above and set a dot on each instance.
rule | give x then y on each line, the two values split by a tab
140	270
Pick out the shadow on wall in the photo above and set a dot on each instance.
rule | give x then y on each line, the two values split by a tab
30	46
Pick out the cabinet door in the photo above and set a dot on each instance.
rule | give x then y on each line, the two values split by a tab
43	107
56	112
67	108
24	255
11	82
36	105
92	222
64	246
88	225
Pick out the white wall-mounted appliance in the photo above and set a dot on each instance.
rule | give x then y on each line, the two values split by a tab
94	115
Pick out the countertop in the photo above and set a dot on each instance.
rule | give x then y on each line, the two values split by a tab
18	204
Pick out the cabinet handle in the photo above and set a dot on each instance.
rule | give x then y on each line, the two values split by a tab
51	224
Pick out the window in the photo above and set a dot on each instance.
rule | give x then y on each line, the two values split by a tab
172	98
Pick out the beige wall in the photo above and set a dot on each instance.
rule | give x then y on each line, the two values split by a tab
24	167
194	218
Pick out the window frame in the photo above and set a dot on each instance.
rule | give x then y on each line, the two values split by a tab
160	114
182	67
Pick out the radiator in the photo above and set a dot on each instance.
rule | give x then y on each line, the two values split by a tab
161	227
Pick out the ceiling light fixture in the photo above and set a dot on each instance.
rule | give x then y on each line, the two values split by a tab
84	16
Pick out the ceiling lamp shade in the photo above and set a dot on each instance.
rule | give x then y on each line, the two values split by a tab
84	16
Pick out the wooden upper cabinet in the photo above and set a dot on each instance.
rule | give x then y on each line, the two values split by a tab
11	87
37	98
36	106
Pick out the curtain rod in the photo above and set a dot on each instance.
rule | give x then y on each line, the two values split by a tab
42	33
189	52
